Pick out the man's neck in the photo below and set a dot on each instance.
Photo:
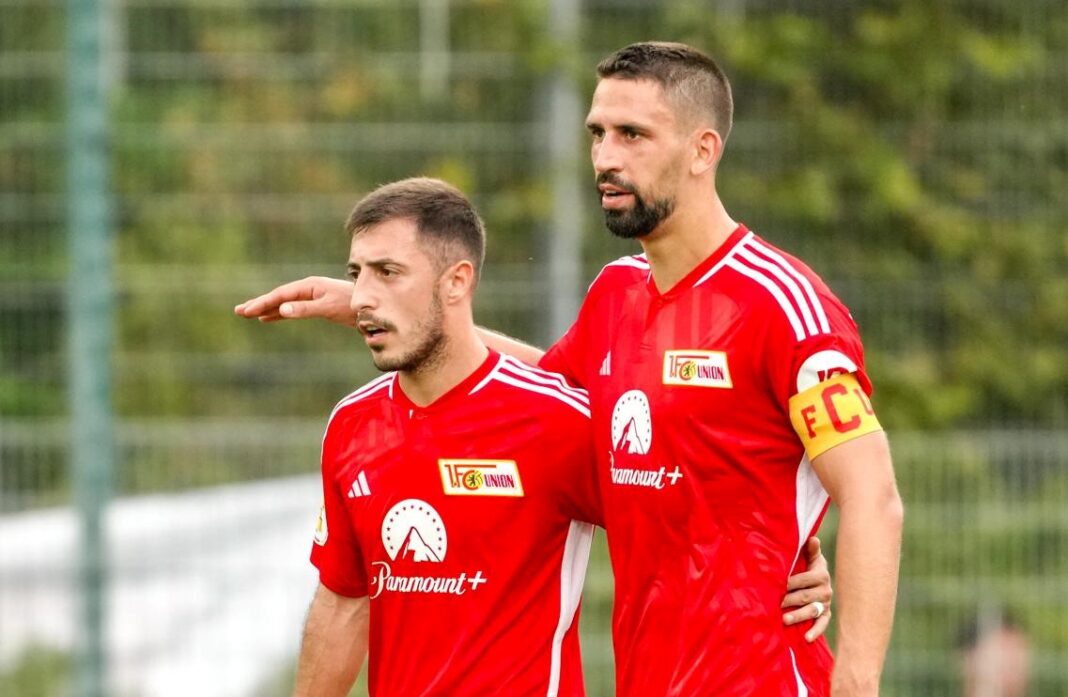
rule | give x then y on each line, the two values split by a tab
462	354
686	239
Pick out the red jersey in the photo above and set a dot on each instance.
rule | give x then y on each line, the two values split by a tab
707	491
460	521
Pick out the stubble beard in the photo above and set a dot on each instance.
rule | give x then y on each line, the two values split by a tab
429	353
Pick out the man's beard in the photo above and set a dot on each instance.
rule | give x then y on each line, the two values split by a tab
428	353
641	219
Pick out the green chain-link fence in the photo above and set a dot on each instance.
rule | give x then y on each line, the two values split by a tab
914	153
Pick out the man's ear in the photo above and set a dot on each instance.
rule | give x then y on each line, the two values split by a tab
458	281
708	147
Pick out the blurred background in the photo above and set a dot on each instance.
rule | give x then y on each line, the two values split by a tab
162	160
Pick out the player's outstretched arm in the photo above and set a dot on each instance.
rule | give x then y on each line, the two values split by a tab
314	296
859	476
502	343
334	644
809	593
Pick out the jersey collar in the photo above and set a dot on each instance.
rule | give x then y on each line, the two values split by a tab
698	272
459	392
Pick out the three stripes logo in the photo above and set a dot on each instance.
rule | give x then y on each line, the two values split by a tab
359	486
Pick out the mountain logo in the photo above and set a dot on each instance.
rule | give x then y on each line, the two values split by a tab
632	424
413	531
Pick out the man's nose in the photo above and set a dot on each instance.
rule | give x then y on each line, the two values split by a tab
606	156
363	299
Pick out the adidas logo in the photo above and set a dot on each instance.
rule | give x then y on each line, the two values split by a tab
359	486
606	365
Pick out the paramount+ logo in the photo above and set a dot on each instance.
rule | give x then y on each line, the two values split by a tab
414	534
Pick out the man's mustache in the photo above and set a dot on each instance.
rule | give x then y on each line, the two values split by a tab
375	320
616	181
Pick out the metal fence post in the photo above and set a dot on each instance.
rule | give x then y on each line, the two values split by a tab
90	308
564	134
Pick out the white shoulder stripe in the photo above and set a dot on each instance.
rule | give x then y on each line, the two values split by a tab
786	281
376	385
512	371
813	296
366	391
723	262
548	380
776	292
630	261
638	262
547	391
543	377
489	376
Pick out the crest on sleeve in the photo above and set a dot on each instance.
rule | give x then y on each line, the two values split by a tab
821	367
321	531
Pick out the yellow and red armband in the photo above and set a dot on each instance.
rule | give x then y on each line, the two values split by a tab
831	413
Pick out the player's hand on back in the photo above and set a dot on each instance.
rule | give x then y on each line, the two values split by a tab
809	593
314	296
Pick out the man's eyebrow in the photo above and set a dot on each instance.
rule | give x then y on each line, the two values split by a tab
625	127
375	263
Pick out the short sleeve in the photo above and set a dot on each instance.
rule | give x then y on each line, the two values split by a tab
833	351
579	486
566	355
820	380
580	353
336	550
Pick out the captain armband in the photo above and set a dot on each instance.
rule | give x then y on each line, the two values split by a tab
831	413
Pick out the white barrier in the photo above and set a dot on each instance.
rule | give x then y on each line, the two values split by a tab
208	588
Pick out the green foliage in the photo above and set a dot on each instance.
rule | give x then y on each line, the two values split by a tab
910	165
913	152
38	673
882	165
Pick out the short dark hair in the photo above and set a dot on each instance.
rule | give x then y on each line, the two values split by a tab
443	217
688	77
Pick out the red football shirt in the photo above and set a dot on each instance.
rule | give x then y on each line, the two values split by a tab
461	522
707	491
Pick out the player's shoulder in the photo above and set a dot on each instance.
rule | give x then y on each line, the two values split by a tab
351	405
783	287
534	388
784	258
624	271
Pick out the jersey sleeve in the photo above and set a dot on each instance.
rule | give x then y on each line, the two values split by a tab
580	489
336	550
565	355
798	363
821	380
573	353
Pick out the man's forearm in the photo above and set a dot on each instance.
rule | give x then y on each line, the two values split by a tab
867	559
513	347
334	645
